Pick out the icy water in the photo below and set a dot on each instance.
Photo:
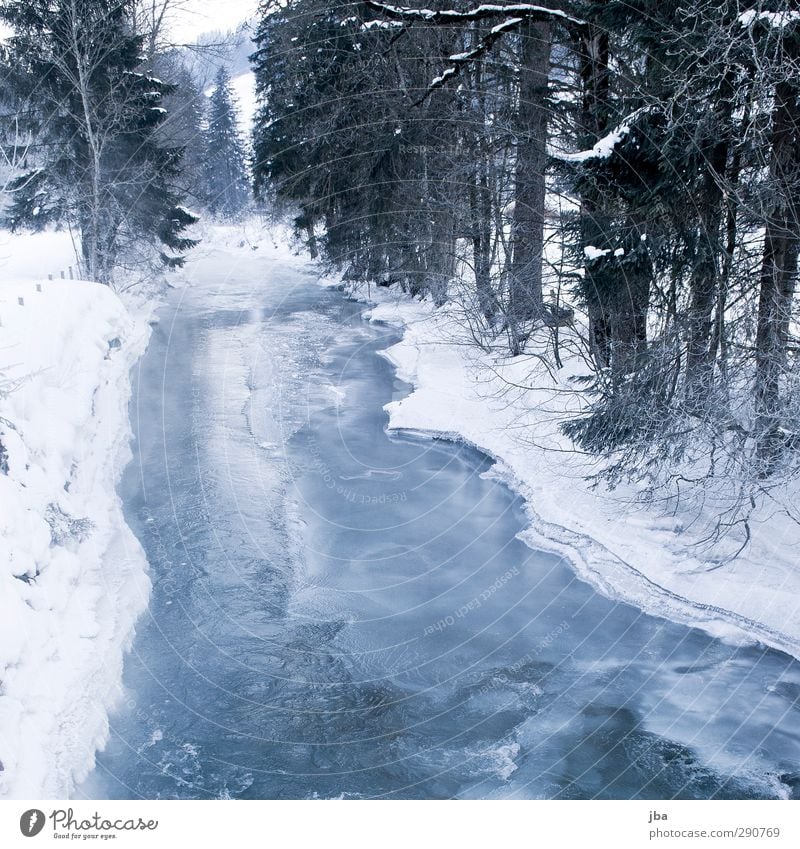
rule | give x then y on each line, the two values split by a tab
342	612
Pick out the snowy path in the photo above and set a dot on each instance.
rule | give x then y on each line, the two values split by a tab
337	611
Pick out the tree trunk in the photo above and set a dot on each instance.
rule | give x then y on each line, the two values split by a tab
525	284
90	227
779	263
481	237
719	347
311	241
703	286
593	53
627	313
480	199
705	279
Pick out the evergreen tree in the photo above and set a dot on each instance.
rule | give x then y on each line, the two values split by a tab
184	126
351	133
227	184
76	76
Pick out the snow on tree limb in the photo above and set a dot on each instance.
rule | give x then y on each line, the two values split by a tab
519	13
368	25
479	13
775	20
460	60
604	147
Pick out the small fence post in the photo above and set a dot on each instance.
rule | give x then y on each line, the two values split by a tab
62	275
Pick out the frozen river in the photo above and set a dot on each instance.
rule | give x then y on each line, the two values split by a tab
338	611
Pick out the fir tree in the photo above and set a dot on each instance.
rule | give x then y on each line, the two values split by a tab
227	183
184	126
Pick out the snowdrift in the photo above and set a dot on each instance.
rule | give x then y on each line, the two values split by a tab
73	578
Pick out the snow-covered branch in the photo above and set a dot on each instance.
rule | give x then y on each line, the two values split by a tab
528	11
774	20
604	147
461	60
517	12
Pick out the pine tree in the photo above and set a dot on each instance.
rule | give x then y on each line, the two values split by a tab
338	138
76	76
184	126
227	183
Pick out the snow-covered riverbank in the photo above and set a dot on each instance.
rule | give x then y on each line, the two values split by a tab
627	552
73	578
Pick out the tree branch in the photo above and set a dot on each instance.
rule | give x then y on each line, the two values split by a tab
479	13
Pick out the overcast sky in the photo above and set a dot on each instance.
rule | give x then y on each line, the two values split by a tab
194	17
191	18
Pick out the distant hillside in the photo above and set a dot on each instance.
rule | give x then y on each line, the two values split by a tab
216	48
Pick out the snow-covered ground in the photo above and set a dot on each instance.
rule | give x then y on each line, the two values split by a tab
627	552
73	578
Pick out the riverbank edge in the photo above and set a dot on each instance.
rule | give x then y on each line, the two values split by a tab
613	569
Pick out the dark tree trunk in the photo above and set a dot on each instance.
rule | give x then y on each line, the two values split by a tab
627	314
480	206
593	54
481	237
780	261
525	281
311	241
719	346
704	283
705	277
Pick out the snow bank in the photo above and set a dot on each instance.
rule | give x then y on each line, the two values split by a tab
628	553
73	577
32	256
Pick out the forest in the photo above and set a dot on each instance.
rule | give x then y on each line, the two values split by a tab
106	130
617	182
